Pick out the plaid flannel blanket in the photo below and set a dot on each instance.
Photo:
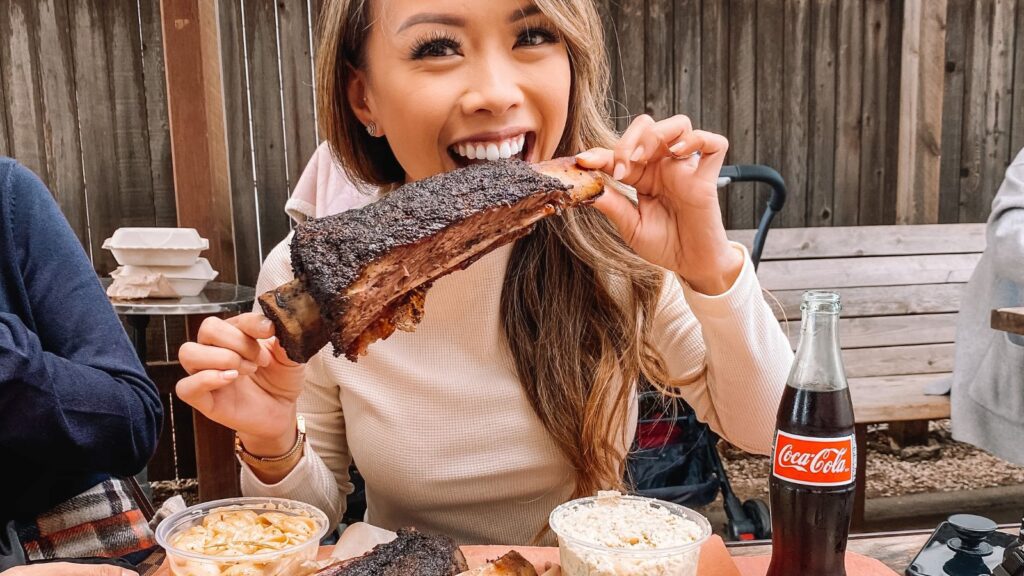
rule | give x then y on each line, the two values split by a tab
103	521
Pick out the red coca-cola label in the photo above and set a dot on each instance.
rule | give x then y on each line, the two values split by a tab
814	461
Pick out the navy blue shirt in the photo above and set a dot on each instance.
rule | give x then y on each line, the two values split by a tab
75	403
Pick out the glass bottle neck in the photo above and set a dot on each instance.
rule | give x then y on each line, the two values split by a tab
819	364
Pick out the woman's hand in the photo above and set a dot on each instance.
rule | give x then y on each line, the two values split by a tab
677	223
241	377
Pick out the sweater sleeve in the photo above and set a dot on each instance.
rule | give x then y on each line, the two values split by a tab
747	356
321	477
73	394
1006	224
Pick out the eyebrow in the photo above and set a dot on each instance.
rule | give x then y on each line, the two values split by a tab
458	21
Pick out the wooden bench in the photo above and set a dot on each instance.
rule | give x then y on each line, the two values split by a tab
900	288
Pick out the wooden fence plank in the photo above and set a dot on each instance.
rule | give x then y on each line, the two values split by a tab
895	360
921	87
875	147
769	99
833	273
878	301
1017	128
4	143
268	134
131	130
999	103
843	241
742	107
659	69
61	139
823	113
239	151
20	58
630	20
160	167
971	194
297	86
953	110
889	331
795	130
95	92
849	99
688	54
715	87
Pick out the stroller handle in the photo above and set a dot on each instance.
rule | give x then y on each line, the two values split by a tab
766	175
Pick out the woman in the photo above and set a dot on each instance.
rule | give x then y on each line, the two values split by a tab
517	390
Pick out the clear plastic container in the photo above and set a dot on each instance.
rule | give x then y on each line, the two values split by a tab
593	548
296	560
156	246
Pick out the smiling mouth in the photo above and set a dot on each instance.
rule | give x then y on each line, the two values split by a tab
476	152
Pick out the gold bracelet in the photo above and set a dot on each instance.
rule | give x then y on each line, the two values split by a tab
273	462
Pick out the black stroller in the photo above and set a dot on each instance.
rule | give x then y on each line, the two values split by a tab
675	456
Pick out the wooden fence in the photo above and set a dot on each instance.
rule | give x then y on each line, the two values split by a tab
810	87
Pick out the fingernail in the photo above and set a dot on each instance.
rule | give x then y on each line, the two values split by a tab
677	147
265	357
248	367
587	156
128	573
637	154
619	172
265	324
229	374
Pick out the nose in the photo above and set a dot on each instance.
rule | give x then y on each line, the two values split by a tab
493	88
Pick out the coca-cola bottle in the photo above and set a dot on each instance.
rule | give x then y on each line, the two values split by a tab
813	468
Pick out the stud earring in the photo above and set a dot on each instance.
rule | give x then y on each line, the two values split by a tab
371	129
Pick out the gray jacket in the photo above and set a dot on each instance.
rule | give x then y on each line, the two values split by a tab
988	374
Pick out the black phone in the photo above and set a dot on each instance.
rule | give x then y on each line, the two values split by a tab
964	545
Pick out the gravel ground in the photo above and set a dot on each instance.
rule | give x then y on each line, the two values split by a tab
944	465
164	489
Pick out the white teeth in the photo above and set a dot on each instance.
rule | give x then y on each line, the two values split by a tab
491	150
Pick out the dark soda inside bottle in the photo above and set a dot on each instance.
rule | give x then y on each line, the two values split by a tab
813	470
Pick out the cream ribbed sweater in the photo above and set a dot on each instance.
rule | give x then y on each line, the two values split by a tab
442	431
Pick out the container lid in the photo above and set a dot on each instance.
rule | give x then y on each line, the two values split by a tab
156	238
201	270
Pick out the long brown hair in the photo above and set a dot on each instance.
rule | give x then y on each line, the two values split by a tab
577	304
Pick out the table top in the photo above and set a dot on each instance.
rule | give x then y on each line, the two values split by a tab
215	298
894	549
1008	320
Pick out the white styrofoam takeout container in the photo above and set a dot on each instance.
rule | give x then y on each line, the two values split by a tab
184	280
156	246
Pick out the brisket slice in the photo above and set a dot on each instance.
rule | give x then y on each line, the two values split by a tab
412	553
363	273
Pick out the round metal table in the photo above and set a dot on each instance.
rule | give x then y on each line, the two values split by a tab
216	297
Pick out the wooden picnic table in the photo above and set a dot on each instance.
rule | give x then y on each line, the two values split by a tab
894	549
1008	320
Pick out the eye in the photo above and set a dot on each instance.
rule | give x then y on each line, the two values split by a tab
437	45
536	36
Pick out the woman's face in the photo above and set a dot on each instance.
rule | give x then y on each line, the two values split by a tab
452	82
